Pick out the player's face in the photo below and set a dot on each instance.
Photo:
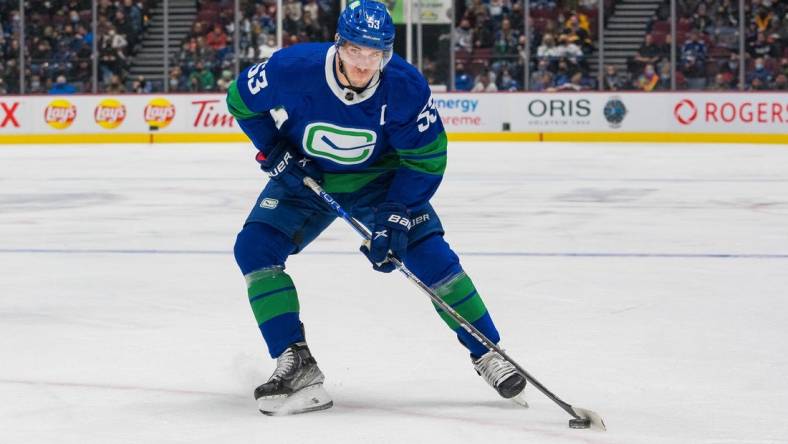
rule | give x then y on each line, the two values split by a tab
361	63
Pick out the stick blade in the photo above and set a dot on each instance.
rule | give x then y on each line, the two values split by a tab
597	423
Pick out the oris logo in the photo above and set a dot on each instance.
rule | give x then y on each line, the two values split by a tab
557	108
686	112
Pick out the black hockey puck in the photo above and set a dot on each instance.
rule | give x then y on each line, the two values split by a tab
582	423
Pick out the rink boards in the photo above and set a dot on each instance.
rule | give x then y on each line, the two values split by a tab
572	117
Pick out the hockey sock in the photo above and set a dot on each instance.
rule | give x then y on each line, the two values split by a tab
275	305
459	292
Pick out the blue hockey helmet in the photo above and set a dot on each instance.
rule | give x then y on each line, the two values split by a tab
367	23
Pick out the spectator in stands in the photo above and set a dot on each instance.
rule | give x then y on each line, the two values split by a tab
575	83
115	85
701	21
201	79
177	81
216	39
780	82
506	46
134	15
730	69
548	51
506	82
539	76
578	21
649	79
36	86
497	9
693	56
224	81
577	31
764	19
648	53
664	83
563	74
720	83
762	47
482	33
543	4
464	35
758	84
516	18
478	11
462	80
612	80
61	86
125	29
312	10
267	47
760	72
112	60
141	85
484	83
542	82
83	74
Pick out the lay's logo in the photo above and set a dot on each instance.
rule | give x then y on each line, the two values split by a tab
60	114
159	113
110	113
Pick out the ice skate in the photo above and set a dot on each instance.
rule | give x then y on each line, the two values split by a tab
296	385
502	376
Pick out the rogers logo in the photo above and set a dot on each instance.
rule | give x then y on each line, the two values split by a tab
109	114
686	112
159	113
60	114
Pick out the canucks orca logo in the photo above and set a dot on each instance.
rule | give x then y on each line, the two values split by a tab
615	111
346	146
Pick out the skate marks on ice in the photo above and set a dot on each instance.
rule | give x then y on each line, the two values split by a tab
506	418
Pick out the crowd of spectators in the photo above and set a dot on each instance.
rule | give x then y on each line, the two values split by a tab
58	43
490	45
707	48
205	61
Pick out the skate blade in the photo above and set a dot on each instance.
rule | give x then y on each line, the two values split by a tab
520	400
309	399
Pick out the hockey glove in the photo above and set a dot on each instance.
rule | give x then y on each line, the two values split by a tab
286	166
390	234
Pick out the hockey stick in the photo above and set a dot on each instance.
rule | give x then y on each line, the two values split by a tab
581	418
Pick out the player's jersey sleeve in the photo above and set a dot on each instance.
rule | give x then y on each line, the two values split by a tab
252	97
416	133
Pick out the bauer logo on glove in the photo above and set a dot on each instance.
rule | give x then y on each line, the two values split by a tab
390	236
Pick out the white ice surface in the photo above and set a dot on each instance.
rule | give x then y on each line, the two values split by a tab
645	282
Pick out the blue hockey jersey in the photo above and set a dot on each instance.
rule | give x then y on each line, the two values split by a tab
354	138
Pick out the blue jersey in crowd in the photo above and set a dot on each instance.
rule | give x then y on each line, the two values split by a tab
353	137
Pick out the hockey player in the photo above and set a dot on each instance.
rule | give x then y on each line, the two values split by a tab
361	120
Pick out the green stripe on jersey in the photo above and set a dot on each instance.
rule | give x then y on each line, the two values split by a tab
429	159
236	105
461	294
352	182
271	293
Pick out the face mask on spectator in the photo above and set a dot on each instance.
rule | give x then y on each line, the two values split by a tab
174	83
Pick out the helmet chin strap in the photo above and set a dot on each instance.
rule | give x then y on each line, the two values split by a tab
357	89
